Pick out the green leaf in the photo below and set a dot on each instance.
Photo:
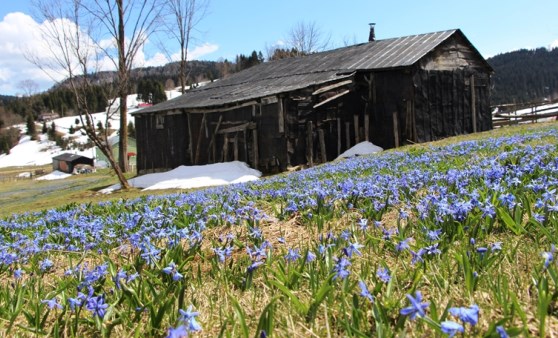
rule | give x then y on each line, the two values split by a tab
299	306
241	317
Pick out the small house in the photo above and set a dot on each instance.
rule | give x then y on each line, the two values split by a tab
310	109
68	162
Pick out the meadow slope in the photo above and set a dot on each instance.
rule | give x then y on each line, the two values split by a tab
433	240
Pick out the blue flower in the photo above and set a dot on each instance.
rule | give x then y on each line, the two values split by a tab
45	265
18	273
403	245
363	224
364	291
549	256
172	269
178	332
502	332
340	268
467	315
97	305
189	318
451	328
255	265
292	255
52	303
496	246
433	235
353	248
310	257
417	308
383	274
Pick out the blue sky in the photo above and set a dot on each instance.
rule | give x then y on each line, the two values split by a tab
234	27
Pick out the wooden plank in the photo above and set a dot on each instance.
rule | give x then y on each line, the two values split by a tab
241	127
345	92
309	144
220	109
197	157
226	148
333	86
357	138
245	146
255	149
280	116
212	141
235	149
396	129
321	137
473	105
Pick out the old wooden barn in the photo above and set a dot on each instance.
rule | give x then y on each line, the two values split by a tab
308	110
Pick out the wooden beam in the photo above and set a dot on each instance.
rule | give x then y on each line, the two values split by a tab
212	142
226	148
473	103
333	86
309	144
345	92
280	115
241	127
396	129
197	157
235	149
220	109
322	145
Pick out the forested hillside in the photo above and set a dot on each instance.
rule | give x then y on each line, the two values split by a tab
525	76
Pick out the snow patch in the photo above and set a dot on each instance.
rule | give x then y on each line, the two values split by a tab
363	148
188	177
55	175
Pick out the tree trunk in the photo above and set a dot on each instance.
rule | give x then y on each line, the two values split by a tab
123	91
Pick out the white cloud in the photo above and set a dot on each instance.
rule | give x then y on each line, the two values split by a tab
554	44
199	51
21	35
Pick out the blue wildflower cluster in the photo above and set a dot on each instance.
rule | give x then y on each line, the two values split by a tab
360	234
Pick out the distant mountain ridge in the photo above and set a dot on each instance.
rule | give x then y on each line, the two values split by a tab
525	76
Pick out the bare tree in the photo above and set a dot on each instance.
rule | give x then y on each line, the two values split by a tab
185	15
72	53
307	38
28	86
128	24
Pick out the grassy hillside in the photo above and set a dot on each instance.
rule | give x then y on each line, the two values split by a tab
427	240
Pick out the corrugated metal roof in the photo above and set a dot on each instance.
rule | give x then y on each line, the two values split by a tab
272	78
67	157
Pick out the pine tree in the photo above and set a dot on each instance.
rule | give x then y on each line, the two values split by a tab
31	128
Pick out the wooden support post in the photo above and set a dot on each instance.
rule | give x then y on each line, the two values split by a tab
338	136
395	129
235	149
212	142
226	148
357	139
197	157
280	115
347	135
310	144
322	145
473	104
366	125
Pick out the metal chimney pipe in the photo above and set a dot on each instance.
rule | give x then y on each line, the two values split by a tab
372	36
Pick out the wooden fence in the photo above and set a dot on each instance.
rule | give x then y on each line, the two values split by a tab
511	114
